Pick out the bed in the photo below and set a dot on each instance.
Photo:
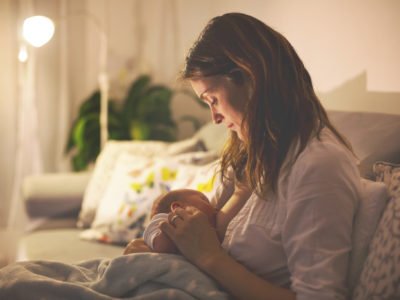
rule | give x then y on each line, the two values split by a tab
77	217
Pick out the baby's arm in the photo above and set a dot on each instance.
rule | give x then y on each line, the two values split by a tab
156	240
161	244
136	246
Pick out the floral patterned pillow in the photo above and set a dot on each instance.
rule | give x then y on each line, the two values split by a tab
380	277
134	184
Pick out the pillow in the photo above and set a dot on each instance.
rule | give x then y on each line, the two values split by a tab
105	165
369	212
374	136
380	277
135	183
208	181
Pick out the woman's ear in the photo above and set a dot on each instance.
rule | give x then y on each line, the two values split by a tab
175	205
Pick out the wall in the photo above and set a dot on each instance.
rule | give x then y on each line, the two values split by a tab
349	47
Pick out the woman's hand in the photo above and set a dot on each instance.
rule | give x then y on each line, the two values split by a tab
136	246
193	234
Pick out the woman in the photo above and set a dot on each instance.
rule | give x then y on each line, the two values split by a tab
289	225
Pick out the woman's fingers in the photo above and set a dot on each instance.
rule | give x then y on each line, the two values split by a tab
176	218
192	233
181	214
173	219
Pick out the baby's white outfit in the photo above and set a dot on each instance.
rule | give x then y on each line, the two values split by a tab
152	230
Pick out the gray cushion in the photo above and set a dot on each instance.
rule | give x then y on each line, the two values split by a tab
63	245
374	136
54	194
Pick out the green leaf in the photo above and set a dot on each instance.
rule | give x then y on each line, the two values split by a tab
137	89
78	163
87	123
70	142
144	114
140	130
91	105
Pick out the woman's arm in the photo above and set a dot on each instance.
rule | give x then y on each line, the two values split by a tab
231	208
324	189
198	242
240	282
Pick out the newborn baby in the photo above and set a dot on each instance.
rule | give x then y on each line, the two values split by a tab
163	205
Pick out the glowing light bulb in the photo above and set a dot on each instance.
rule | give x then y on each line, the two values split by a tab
37	30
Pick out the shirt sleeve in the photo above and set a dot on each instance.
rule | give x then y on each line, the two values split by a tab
152	230
322	196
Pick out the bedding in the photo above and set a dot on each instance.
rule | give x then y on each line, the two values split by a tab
106	162
140	276
137	181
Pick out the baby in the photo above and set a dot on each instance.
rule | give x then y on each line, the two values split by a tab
157	241
153	236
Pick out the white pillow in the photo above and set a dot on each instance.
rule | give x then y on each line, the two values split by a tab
105	165
135	183
367	218
132	176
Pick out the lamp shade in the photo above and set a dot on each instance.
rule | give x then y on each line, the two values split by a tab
37	30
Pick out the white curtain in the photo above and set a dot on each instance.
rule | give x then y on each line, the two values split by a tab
8	108
40	98
35	103
28	159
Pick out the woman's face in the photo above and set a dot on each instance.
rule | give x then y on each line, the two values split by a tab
225	99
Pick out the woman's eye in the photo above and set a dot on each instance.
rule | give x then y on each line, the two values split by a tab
213	100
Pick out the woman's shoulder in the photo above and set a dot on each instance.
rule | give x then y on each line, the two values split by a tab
325	154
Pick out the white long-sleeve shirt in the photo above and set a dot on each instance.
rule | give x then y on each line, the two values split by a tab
300	238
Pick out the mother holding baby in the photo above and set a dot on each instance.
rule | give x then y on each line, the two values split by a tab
287	226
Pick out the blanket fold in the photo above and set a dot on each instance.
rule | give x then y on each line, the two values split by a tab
140	276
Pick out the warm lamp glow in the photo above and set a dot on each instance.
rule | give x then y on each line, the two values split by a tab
37	30
22	54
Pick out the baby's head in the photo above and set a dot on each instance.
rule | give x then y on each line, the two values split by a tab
183	198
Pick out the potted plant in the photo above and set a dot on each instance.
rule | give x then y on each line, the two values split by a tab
144	114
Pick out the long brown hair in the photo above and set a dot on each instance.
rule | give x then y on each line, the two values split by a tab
282	107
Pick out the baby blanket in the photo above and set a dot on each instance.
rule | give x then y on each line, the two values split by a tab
140	276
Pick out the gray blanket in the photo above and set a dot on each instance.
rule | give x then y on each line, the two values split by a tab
144	276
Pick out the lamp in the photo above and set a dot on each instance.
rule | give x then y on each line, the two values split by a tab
38	30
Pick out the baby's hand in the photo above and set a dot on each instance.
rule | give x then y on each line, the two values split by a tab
136	246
